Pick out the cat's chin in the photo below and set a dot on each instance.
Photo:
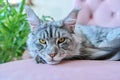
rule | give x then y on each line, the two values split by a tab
53	62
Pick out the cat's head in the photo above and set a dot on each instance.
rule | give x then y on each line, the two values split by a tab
51	42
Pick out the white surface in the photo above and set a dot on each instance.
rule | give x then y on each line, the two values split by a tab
58	9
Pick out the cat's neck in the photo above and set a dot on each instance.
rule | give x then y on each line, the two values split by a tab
75	47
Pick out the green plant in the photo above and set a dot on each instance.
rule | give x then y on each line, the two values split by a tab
47	18
13	31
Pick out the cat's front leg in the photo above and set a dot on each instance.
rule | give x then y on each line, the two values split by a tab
38	59
96	53
102	53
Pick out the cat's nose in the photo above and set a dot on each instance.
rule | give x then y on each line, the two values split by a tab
52	55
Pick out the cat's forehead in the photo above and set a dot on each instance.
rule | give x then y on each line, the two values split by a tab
52	31
52	24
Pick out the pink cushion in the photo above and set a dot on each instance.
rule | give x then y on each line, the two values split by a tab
69	70
104	13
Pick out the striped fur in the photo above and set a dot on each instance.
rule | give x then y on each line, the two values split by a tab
51	34
76	44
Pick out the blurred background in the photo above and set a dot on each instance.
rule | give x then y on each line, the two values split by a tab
58	9
14	27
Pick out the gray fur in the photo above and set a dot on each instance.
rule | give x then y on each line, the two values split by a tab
78	44
51	34
103	41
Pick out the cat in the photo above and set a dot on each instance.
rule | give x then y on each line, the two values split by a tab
55	41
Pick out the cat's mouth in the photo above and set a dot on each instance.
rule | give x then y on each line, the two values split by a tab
53	62
41	60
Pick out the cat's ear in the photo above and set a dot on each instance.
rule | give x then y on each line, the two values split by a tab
70	21
32	18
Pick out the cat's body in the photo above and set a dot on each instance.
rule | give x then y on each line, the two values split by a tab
54	41
102	43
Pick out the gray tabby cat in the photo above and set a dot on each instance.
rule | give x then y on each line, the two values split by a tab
55	41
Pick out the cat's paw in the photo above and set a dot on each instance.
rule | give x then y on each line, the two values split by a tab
38	59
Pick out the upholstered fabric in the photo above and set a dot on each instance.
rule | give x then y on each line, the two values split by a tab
104	13
72	70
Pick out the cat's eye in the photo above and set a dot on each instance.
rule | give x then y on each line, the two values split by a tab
61	40
42	41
